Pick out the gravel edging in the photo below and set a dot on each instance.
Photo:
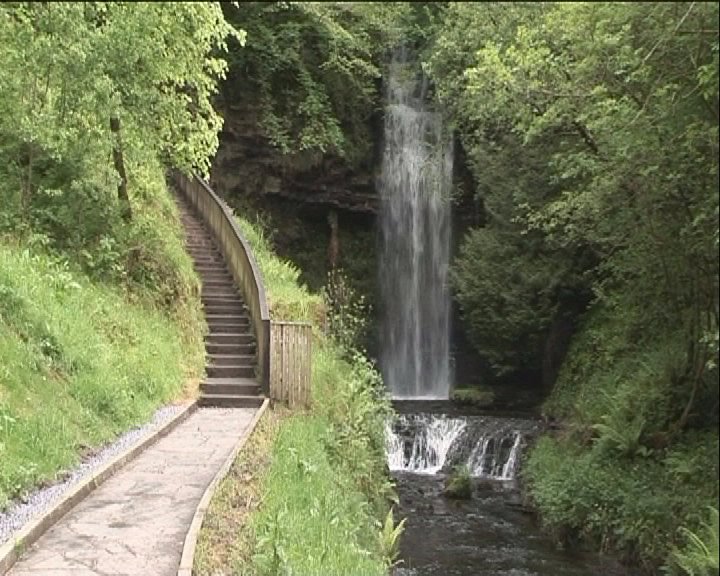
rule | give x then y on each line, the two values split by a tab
187	559
25	521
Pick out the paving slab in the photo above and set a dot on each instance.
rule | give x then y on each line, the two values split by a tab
135	523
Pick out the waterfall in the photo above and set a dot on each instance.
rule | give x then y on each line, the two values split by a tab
415	185
428	444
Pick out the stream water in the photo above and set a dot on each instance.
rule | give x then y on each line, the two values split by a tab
490	534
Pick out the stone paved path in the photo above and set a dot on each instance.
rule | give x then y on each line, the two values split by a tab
135	523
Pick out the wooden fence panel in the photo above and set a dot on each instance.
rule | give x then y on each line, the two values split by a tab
290	362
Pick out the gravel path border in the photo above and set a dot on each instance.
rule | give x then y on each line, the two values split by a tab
21	511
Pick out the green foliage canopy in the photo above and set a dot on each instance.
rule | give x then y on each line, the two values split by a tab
612	114
313	69
67	69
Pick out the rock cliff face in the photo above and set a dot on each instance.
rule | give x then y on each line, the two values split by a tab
301	198
247	165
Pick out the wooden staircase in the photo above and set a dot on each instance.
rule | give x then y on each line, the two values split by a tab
230	344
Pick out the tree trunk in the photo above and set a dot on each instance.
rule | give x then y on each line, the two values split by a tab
334	247
27	184
119	161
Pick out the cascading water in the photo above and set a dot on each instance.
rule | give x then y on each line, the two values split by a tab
415	221
495	456
427	444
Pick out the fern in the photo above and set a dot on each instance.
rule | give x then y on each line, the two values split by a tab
699	556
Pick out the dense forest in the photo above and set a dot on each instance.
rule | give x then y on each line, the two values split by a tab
586	210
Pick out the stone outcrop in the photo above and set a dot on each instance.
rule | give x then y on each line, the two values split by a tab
248	165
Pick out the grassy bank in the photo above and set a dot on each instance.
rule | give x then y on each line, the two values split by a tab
317	479
620	476
91	342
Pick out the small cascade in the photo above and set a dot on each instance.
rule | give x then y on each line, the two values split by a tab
425	450
428	444
495	456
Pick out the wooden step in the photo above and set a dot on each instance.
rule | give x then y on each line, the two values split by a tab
230	401
227	338
237	308
212	267
230	387
215	292
213	371
218	284
227	318
222	300
211	276
221	290
229	328
230	349
231	359
207	259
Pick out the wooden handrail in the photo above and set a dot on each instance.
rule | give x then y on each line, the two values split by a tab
239	258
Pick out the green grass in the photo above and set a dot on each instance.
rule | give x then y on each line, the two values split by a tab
473	396
288	299
82	360
226	541
313	520
326	489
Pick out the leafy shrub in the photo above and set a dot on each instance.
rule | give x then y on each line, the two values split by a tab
346	312
507	298
389	539
459	484
632	505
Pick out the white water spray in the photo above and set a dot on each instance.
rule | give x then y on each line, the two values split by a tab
493	457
